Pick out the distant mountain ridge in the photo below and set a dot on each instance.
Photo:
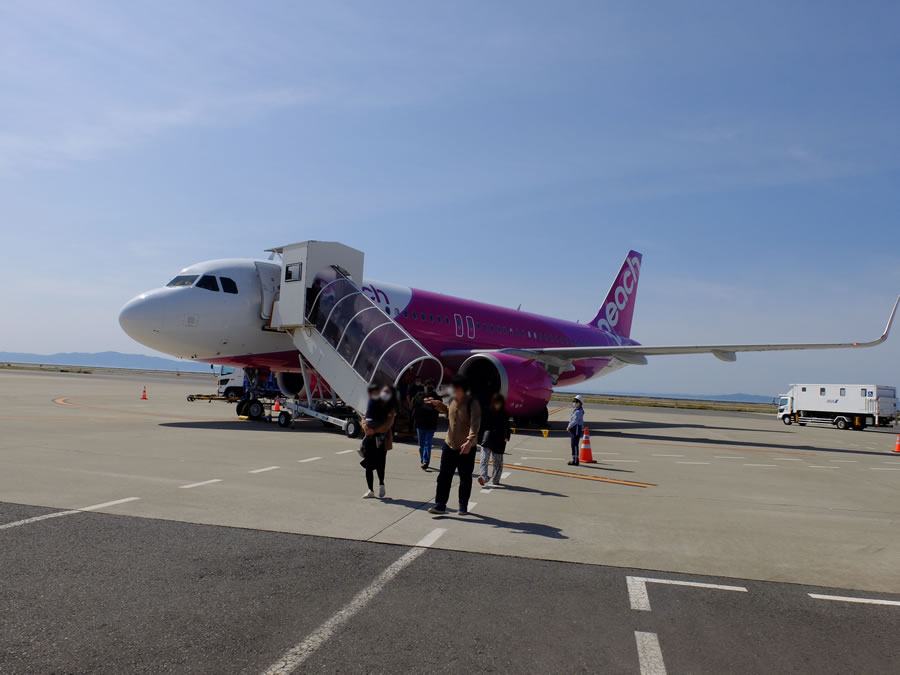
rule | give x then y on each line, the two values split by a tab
106	360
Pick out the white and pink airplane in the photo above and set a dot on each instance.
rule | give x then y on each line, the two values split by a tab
218	312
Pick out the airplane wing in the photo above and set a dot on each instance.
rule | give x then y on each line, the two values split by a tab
637	354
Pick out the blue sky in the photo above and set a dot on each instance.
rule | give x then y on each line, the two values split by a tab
508	151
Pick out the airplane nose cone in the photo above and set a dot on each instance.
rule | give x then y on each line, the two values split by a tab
142	319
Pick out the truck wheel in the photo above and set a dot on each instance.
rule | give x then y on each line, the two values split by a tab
352	428
254	409
841	423
284	419
787	420
239	408
233	393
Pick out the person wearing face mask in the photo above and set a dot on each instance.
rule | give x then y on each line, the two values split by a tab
576	427
380	413
458	453
426	418
495	433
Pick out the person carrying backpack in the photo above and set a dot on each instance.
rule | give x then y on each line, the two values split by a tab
426	419
458	453
495	433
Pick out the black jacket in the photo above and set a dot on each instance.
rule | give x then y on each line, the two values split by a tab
495	431
425	416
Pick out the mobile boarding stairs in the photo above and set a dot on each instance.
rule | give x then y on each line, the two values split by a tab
345	337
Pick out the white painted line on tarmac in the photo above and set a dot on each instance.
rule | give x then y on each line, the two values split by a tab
844	461
344	452
472	506
885	468
607	453
505	475
308	459
819	466
58	514
205	482
786	459
640	600
727	457
629	461
667	455
518	464
268	468
650	658
296	656
760	465
864	601
692	462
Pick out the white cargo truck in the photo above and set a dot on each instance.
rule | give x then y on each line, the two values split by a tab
230	382
846	406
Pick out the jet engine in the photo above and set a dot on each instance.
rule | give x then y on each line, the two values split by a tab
290	384
524	382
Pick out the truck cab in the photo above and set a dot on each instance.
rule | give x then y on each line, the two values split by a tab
230	382
785	408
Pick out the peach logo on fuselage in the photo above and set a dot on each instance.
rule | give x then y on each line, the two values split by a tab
621	295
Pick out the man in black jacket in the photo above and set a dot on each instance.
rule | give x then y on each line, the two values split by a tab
425	416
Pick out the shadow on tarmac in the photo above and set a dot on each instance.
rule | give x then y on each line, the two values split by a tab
231	425
535	529
772	447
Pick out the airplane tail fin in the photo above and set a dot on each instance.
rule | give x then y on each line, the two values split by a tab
617	310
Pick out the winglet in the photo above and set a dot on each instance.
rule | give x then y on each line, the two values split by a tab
887	328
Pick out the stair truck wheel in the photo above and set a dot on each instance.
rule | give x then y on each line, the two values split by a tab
239	408
352	428
254	409
284	419
841	423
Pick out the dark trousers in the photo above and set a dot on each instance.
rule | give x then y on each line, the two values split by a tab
452	461
575	433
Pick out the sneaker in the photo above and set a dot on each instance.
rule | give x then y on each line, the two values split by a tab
463	511
437	510
368	494
481	481
424	466
572	463
381	492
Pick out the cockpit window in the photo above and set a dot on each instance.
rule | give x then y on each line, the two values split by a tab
183	280
228	285
208	282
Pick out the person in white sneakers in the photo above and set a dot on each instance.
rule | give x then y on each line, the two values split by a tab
380	414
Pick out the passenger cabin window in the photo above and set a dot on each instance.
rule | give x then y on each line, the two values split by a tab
189	279
228	285
208	282
843	392
821	391
804	389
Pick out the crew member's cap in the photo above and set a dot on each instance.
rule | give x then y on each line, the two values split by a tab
579	399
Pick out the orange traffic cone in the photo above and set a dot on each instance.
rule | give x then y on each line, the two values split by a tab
584	454
144	395
897	444
277	406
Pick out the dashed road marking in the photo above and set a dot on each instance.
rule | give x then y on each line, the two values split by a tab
650	658
692	462
517	464
296	656
607	453
344	452
819	466
308	459
505	475
786	459
640	600
629	461
727	457
58	514
760	465
665	455
884	468
268	468
204	482
844	461
864	601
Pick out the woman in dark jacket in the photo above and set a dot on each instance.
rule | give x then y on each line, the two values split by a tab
495	434
378	425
